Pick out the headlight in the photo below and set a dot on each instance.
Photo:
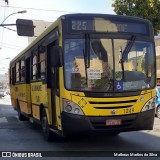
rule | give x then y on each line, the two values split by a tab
151	104
71	107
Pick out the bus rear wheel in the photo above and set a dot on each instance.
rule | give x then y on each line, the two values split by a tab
47	133
21	117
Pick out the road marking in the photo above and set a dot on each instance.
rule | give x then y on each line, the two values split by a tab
3	120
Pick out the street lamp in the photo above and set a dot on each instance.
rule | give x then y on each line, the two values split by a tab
19	12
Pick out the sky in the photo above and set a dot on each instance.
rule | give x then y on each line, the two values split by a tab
47	10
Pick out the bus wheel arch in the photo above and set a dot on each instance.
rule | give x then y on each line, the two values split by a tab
47	133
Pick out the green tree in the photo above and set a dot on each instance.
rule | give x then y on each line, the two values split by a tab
148	9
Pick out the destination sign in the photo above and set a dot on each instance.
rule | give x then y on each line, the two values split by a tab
104	25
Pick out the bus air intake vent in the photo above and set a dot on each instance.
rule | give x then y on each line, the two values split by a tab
114	102
113	107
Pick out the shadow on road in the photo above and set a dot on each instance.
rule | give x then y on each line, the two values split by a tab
20	136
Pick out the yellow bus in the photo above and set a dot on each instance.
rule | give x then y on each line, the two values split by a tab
87	73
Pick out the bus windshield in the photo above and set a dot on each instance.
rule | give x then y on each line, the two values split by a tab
109	70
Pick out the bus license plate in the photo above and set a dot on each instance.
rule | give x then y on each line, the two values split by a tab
113	122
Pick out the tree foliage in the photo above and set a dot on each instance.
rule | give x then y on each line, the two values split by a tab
148	9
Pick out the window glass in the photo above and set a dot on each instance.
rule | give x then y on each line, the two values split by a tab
107	65
17	72
34	67
41	62
99	75
22	70
41	56
35	59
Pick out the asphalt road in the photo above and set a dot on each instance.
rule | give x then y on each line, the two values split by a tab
24	136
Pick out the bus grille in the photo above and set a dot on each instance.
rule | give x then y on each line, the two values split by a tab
113	104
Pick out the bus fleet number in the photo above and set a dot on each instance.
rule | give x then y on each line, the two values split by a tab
128	110
79	25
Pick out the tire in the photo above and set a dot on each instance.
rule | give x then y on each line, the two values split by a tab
158	112
47	133
21	117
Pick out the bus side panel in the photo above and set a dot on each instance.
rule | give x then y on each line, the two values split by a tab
13	96
23	97
58	113
28	98
49	111
38	97
36	111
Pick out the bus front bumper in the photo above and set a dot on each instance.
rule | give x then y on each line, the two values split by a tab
75	124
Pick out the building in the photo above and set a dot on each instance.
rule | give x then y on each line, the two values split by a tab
40	26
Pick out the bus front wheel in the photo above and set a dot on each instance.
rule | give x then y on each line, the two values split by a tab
47	133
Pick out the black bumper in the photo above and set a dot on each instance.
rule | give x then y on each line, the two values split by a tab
73	124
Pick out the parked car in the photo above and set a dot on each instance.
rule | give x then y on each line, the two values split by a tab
1	92
158	102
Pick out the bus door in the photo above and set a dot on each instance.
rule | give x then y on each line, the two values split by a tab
53	84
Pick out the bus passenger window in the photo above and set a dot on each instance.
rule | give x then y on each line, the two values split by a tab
12	76
17	72
22	70
34	67
41	63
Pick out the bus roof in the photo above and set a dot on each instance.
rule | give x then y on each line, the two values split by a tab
104	15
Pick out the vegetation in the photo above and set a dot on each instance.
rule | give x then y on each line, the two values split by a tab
148	9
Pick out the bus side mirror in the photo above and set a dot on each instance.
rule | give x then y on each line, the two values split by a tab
57	58
25	27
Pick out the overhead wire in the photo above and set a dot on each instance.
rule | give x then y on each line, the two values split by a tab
37	9
11	48
9	29
40	9
12	45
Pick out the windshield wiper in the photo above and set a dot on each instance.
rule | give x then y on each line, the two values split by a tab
86	54
128	48
87	51
125	52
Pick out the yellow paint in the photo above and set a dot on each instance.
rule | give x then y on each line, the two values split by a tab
13	102
23	107
36	111
21	92
89	109
39	93
49	110
58	113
